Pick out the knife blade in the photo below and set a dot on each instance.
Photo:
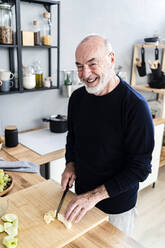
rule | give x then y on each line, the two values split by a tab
62	199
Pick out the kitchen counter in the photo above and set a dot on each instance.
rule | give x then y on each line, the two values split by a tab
104	235
22	152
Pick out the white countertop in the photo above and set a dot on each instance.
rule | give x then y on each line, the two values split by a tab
43	141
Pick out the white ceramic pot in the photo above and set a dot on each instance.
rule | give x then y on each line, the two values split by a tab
29	82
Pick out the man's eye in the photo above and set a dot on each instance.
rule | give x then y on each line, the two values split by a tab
92	65
79	67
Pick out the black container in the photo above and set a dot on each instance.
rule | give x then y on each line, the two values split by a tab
156	82
11	136
58	124
142	69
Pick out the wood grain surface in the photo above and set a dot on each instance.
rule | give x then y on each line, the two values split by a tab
32	203
21	152
104	236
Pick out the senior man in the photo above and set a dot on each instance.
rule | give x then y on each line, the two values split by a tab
110	138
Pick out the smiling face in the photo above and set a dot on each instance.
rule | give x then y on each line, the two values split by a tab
94	64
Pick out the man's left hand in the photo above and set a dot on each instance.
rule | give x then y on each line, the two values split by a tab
78	207
80	204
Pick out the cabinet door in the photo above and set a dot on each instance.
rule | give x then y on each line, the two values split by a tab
155	157
56	169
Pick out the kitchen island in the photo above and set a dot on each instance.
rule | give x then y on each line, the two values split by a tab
104	235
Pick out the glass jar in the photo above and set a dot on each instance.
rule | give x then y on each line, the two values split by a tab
38	74
6	32
46	36
29	81
36	30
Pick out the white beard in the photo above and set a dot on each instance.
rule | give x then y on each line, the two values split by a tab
101	85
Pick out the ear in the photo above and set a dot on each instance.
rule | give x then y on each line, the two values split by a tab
111	59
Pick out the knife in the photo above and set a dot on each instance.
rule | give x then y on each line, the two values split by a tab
62	199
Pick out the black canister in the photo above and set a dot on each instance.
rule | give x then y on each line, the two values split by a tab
11	136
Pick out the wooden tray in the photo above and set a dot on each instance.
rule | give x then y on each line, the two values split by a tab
32	203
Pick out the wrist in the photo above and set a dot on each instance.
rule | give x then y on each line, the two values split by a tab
70	164
98	194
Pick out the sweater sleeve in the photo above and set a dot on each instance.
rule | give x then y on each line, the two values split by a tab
69	154
138	145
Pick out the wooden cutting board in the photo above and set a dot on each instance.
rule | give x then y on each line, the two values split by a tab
32	203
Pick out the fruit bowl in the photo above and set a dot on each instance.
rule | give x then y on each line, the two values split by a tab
8	188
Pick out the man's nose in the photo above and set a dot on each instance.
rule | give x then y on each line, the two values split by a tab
86	72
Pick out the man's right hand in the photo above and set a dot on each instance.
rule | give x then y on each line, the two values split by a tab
68	175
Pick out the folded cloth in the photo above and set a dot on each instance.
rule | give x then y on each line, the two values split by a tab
19	166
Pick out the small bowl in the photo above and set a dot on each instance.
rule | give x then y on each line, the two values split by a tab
9	188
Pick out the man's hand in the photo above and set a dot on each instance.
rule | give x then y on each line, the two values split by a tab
68	175
80	204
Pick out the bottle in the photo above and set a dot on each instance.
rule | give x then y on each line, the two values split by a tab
36	30
67	78
46	37
38	74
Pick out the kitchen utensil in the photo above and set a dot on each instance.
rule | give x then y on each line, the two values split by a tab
156	82
6	75
142	67
58	123
151	39
156	53
32	203
5	85
62	199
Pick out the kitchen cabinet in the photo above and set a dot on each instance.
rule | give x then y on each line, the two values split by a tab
15	50
158	136
145	87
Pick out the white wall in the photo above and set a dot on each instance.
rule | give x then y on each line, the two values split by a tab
123	22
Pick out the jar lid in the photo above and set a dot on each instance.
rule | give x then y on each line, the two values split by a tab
46	15
58	118
10	128
35	22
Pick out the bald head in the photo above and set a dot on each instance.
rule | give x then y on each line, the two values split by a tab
95	41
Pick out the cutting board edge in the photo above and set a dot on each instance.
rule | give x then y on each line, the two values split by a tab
82	233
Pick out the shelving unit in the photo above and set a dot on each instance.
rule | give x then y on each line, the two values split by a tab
145	87
19	47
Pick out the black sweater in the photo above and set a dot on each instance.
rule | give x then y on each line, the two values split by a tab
110	139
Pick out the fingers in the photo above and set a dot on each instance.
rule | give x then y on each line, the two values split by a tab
82	212
67	176
74	213
64	181
72	206
72	179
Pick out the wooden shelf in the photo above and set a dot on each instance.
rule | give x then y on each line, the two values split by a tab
150	45
46	47
145	87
